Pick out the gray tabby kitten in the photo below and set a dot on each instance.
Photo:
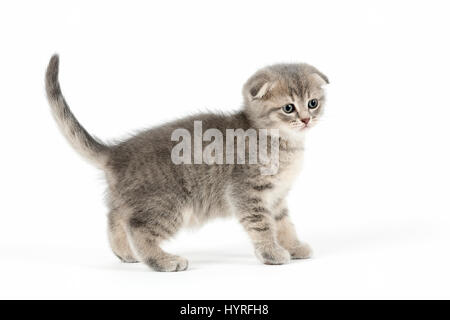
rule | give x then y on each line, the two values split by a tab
150	198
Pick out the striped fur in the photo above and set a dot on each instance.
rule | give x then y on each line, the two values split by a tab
150	198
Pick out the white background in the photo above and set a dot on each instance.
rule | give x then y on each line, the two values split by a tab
373	197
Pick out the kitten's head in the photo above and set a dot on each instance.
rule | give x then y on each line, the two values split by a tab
288	97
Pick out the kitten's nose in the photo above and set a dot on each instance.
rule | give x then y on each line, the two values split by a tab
305	120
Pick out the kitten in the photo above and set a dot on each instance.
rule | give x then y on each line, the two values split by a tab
150	198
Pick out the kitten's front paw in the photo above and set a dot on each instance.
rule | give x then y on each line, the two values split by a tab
301	251
272	254
168	264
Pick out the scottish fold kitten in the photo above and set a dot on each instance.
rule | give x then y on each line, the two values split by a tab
150	197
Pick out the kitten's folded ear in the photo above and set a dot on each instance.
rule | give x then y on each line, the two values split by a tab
257	87
324	77
320	78
260	90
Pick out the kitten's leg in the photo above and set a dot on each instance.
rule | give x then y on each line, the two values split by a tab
287	236
146	231
118	238
260	226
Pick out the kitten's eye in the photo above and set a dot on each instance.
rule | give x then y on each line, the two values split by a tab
289	108
313	103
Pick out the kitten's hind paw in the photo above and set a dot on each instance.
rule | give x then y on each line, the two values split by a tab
302	251
127	259
168	264
272	254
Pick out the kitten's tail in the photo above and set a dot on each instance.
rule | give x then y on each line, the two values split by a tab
88	146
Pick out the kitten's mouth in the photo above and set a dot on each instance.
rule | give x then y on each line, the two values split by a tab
302	128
